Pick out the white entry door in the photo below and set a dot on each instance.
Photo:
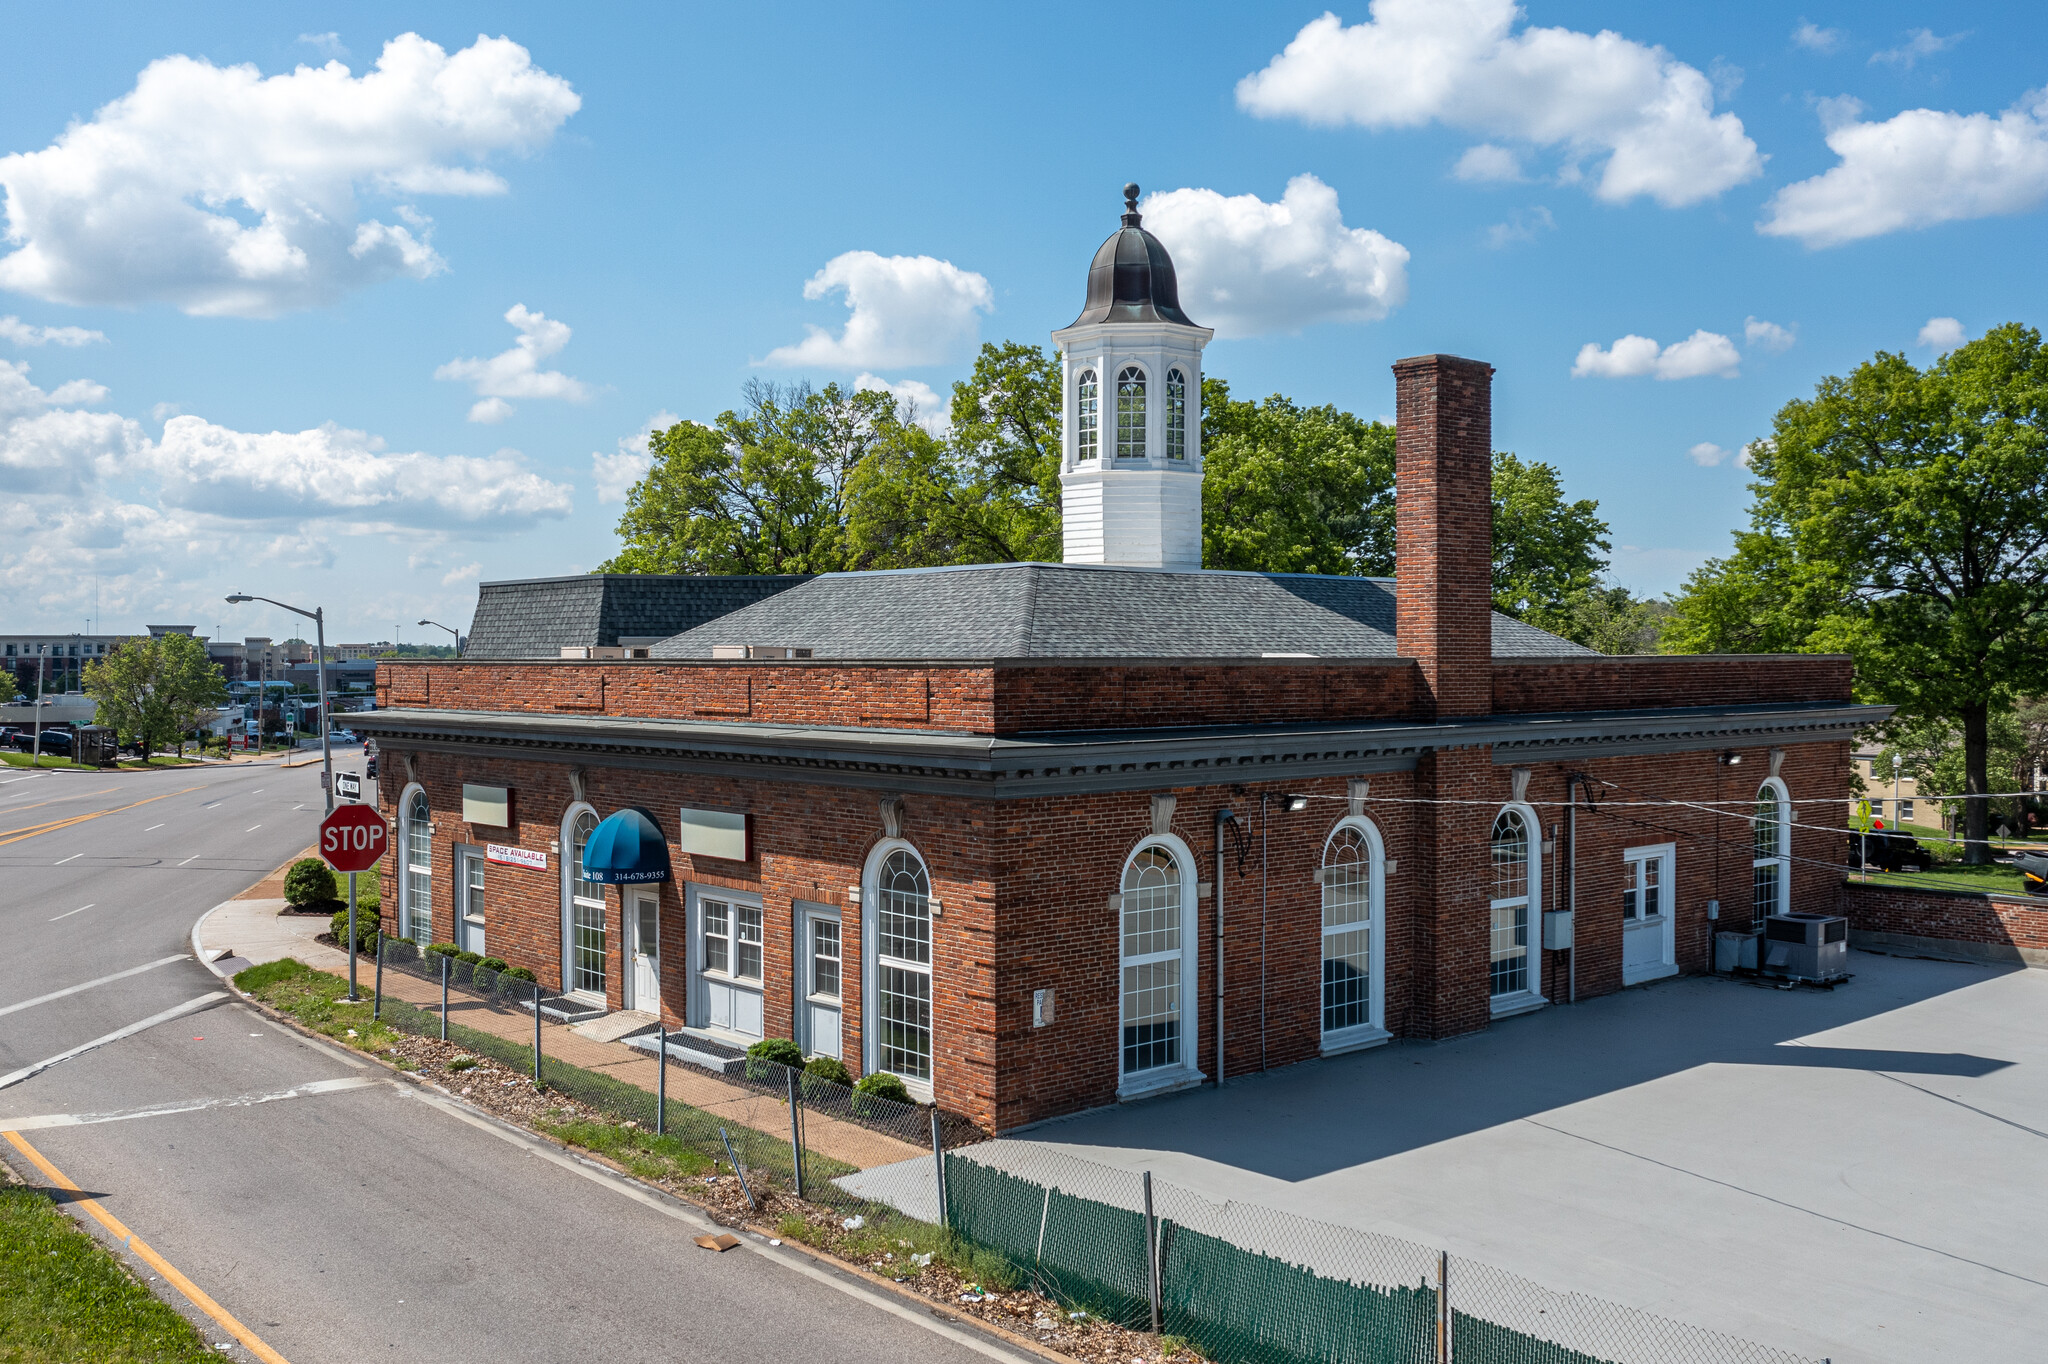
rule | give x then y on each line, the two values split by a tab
819	958
646	975
469	921
1648	914
725	947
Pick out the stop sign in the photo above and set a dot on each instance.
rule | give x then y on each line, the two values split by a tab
352	838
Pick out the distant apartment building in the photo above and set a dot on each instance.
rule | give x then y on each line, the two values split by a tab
59	659
1893	797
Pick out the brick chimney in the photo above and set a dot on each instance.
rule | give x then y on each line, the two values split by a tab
1443	480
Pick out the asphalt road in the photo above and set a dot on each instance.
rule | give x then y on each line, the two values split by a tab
361	1221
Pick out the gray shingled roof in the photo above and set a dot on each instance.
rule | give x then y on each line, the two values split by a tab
1081	611
535	617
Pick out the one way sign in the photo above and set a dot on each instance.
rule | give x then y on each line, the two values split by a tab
348	786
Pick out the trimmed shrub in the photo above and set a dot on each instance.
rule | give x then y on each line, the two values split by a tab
472	958
366	930
879	1085
494	964
446	949
521	973
308	882
827	1070
769	1052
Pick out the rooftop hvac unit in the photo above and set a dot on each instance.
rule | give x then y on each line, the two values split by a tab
1808	947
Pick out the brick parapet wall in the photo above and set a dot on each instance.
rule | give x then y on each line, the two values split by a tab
2015	923
1548	686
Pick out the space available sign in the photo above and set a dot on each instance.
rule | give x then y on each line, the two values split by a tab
530	858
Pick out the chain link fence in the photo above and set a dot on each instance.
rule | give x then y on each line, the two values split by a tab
1253	1285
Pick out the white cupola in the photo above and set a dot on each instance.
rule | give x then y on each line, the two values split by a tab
1131	466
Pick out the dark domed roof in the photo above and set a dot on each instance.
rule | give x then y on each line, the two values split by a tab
1131	279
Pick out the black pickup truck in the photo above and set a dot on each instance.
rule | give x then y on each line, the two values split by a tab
1891	852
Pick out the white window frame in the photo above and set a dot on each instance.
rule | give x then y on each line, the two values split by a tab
567	859
695	1003
1519	1001
1145	424
1082	428
1783	859
408	913
870	941
1666	855
1176	376
1186	1071
1374	1030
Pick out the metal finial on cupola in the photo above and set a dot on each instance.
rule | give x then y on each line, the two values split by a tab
1131	204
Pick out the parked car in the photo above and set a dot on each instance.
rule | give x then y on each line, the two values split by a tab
1893	852
55	741
341	736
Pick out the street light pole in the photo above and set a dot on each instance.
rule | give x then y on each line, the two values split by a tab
450	629
318	616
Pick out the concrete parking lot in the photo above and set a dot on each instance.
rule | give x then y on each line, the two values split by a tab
1859	1174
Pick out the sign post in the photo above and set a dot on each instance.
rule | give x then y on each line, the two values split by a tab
352	838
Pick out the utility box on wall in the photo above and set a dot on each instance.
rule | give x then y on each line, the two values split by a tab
1557	930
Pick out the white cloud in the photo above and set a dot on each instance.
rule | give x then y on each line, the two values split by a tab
1701	354
1942	333
1521	226
1914	170
516	372
1919	43
906	310
17	394
27	334
1486	163
163	412
465	573
331	471
915	401
223	191
1814	38
1746	456
1459	62
1769	335
64	452
1707	454
616	472
1247	267
326	44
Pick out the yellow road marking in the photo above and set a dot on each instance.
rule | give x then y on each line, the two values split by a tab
59	800
199	1299
8	836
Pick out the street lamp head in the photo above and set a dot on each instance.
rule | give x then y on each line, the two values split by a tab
241	597
426	622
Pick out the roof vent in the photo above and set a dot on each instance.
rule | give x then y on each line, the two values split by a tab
757	651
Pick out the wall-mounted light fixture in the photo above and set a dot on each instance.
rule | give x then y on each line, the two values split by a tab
1731	759
1295	804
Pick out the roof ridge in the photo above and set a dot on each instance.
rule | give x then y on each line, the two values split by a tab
1029	641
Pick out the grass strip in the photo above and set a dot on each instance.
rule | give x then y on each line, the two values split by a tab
64	1298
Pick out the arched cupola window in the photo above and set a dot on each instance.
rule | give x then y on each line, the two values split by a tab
1087	416
1176	414
1130	413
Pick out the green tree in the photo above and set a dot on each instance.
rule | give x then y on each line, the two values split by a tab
1293	489
1900	515
1545	549
1006	448
154	690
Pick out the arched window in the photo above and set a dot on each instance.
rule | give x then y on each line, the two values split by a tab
1514	884
1350	994
1771	861
586	913
1176	415
1130	413
416	884
903	967
1088	415
1152	933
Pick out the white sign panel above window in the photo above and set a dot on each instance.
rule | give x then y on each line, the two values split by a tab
531	858
491	805
718	833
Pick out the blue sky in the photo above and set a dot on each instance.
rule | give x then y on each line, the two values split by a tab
263	273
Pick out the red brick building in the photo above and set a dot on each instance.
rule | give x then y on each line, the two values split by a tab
1041	837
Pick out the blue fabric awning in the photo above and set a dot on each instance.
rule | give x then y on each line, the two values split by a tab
626	849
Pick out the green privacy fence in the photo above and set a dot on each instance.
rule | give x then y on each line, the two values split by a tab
1252	1285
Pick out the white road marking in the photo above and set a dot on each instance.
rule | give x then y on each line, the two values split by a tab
87	985
783	1256
193	858
259	790
209	805
252	828
175	1011
30	1124
69	912
73	858
152	828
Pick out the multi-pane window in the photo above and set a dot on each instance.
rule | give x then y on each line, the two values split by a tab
586	913
717	932
746	942
1770	865
825	958
419	870
1176	414
1151	905
1510	904
1642	889
1347	930
1130	413
1088	416
903	967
